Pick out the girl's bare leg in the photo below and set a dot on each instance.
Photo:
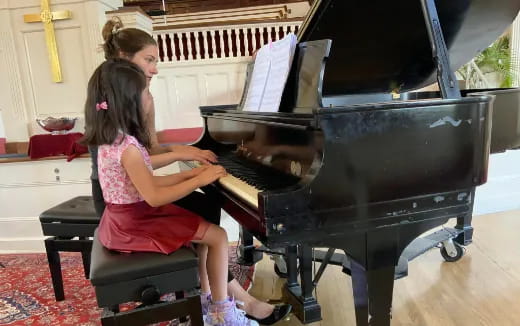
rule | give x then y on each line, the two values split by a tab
202	253
216	263
252	306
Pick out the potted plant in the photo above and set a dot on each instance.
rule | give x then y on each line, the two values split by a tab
493	67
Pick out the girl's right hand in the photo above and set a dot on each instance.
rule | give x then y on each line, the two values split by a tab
211	174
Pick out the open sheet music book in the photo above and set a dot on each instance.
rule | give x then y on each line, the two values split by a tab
272	65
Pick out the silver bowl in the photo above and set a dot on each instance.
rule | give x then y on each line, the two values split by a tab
57	125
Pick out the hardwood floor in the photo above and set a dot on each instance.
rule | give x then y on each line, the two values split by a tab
483	288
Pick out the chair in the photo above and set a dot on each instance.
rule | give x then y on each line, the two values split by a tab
120	278
68	227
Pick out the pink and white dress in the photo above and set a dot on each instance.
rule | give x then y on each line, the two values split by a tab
129	223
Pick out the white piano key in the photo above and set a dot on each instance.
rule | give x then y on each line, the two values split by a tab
241	189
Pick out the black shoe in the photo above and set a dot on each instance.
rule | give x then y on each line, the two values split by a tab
280	312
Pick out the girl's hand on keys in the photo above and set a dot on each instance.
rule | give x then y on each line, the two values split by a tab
211	174
190	153
198	170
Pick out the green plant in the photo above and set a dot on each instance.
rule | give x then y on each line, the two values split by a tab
498	59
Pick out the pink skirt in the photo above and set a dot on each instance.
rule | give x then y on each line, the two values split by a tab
140	227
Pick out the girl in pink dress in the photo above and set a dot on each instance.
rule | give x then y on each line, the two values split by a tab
139	215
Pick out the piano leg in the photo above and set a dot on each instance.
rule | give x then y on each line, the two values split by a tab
373	290
292	266
464	224
248	255
305	306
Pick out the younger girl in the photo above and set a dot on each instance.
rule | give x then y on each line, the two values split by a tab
139	215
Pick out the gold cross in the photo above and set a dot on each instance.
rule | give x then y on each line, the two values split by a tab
46	16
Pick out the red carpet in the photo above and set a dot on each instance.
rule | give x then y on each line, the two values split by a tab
27	297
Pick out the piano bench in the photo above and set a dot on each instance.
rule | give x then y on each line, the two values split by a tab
68	227
120	278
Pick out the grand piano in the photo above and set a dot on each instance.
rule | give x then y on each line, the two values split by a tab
354	159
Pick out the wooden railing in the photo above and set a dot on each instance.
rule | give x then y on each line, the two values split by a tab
258	12
217	42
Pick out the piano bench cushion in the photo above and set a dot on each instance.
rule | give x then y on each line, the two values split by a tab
76	210
108	267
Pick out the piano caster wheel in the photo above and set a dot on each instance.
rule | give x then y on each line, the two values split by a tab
452	254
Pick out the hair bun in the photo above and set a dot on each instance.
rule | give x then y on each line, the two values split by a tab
111	28
118	25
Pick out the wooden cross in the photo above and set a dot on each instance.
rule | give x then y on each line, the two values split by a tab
46	16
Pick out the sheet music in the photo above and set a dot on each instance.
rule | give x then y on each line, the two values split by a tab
255	92
272	66
281	58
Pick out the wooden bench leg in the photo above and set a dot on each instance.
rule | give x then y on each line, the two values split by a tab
53	257
85	256
180	295
154	313
195	309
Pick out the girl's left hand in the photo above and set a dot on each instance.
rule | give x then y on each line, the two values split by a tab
191	153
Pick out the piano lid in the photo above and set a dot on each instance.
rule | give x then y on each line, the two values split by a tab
379	46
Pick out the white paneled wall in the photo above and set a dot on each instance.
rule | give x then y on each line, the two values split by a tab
29	188
181	88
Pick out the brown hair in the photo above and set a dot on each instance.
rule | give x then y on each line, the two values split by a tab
119	83
123	41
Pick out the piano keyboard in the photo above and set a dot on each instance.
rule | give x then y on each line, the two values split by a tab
246	179
236	186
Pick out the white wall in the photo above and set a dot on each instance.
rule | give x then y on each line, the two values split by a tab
181	87
502	190
27	91
29	188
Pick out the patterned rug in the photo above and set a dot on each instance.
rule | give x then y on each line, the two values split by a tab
27	297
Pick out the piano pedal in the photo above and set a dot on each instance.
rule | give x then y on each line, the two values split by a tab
249	256
280	266
275	301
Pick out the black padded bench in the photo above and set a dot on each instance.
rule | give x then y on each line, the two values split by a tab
144	277
68	227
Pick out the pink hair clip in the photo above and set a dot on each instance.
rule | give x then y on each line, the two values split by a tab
102	106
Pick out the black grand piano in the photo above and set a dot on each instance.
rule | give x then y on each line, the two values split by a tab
355	160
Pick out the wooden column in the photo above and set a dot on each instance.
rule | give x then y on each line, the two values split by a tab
12	101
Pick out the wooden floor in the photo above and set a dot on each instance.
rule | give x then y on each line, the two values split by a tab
483	288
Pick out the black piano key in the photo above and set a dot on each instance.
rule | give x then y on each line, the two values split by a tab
255	174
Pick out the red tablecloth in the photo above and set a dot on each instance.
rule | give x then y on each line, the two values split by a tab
52	145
